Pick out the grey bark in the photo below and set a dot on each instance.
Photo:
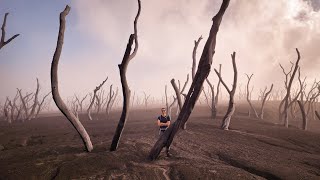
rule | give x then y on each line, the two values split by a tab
304	117
213	103
286	119
231	108
166	94
35	102
55	88
216	98
194	57
125	88
249	97
264	98
41	104
111	95
196	86
94	97
3	42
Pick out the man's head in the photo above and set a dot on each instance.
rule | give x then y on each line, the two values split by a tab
163	110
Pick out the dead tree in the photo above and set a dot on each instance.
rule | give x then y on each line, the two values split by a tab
75	108
202	73
113	101
166	96
174	85
25	101
249	97
194	57
35	102
146	99
111	95
286	119
213	98
287	75
41	104
171	105
99	102
231	108
216	98
317	114
125	88
3	34
80	103
55	88
264	97
5	110
94	97
304	117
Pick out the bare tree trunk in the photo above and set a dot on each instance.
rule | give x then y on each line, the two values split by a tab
80	103
177	93
317	114
11	117
3	34
34	106
196	86
264	98
304	117
231	108
216	98
125	88
146	99
171	105
194	57
40	105
165	92
94	97
54	85
213	103
111	94
286	120
249	97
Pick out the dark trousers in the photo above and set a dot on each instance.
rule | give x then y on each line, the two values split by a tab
161	132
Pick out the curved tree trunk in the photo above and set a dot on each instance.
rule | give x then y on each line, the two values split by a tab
231	108
304	117
55	89
196	86
125	88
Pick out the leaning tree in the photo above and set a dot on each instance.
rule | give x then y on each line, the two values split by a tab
195	89
55	88
125	88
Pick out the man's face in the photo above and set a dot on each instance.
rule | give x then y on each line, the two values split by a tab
163	111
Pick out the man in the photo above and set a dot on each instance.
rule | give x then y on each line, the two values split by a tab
163	122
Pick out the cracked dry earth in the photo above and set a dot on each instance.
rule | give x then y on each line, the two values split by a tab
49	148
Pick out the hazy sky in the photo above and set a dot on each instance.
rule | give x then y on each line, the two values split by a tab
264	33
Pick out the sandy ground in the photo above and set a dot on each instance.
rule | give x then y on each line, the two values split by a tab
49	148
